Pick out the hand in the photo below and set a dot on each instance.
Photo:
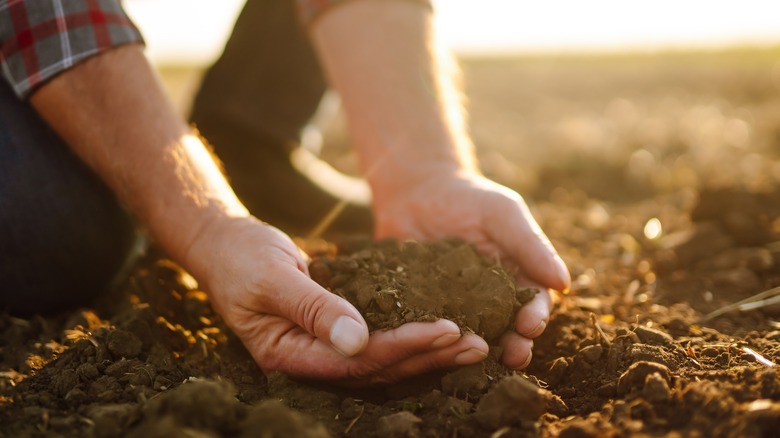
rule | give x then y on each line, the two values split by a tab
257	279
498	222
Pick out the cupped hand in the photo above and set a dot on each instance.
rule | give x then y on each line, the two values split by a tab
497	221
257	279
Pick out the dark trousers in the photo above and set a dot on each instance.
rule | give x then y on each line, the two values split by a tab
63	235
252	106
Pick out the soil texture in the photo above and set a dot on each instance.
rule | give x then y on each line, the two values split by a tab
392	283
656	178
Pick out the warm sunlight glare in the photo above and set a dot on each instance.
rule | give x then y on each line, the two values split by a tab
500	26
653	229
508	26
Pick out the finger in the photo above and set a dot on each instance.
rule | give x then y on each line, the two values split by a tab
294	251
516	350
326	316
279	345
392	346
532	318
469	349
511	225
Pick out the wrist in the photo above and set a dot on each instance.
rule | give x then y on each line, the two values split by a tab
393	177
208	242
387	187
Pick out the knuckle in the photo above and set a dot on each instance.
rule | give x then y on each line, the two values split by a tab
311	311
368	371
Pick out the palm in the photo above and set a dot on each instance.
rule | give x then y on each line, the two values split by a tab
486	214
279	344
498	222
258	281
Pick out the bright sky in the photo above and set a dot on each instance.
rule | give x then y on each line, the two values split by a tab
194	30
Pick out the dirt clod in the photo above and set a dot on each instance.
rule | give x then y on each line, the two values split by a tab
635	375
392	283
656	389
401	425
653	336
512	401
466	381
122	343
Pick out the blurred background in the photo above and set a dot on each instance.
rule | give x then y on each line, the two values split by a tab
618	100
615	120
506	27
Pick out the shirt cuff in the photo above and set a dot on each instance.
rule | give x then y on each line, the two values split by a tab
310	10
41	39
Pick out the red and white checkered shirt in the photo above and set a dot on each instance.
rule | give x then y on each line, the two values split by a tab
42	38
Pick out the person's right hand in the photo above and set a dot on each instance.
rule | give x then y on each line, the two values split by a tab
257	279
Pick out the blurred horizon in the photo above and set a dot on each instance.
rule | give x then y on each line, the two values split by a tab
500	27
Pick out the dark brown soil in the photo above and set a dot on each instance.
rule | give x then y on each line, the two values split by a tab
634	350
393	283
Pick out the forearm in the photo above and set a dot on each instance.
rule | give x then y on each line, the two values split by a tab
403	107
113	113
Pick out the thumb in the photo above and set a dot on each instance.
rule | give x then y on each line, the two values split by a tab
519	236
322	314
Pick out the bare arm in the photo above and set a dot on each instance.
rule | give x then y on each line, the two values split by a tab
397	86
406	121
112	112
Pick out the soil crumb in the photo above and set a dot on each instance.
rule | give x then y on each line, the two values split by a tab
392	283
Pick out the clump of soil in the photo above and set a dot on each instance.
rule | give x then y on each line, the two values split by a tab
392	283
641	347
619	358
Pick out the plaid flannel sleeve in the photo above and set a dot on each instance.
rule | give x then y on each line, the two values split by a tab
42	38
309	10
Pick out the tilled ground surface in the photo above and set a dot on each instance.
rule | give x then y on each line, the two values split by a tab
678	221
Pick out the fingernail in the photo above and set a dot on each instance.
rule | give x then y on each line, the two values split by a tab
347	336
470	356
563	273
537	331
445	340
527	361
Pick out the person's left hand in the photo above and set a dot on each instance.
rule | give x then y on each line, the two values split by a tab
497	221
